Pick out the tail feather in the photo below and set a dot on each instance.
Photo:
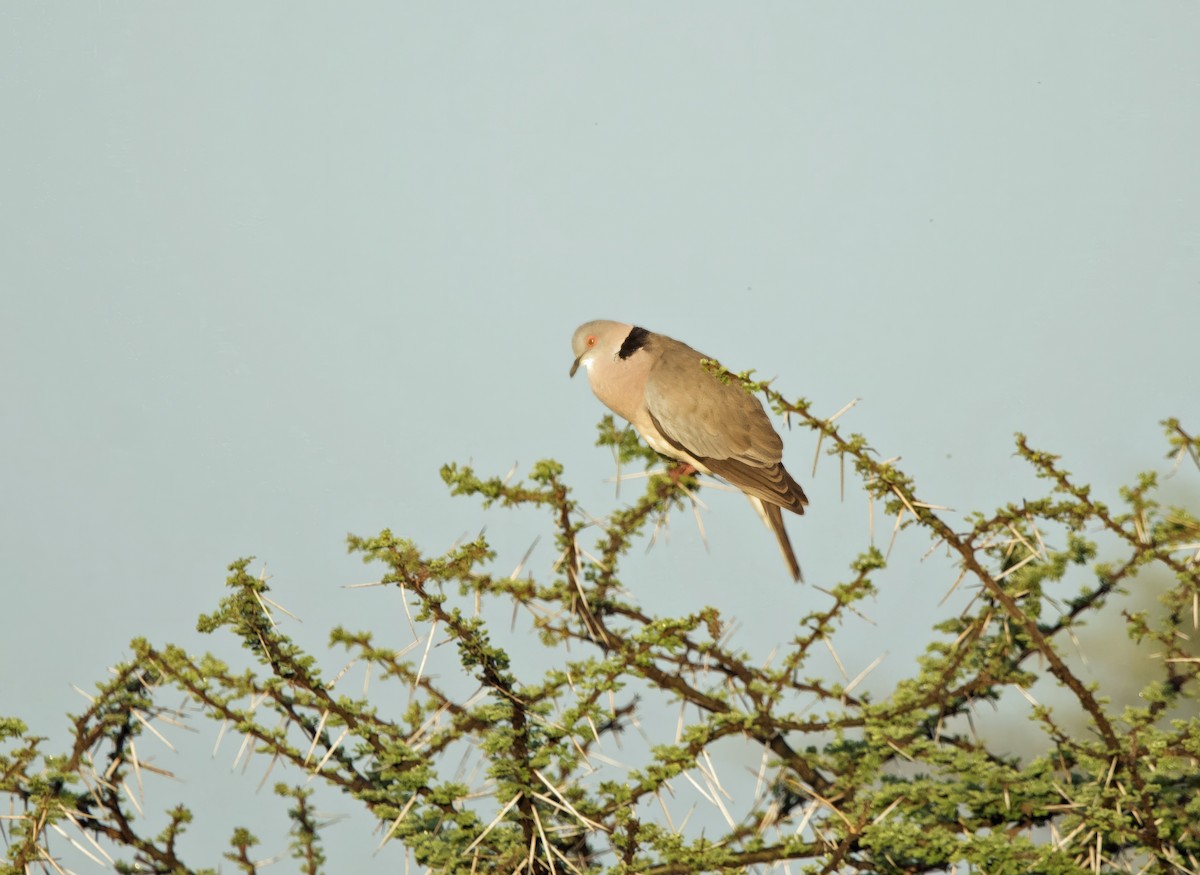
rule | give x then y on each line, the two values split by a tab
772	515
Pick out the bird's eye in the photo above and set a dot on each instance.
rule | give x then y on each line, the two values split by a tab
591	341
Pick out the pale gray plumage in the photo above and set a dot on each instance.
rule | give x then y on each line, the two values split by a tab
684	412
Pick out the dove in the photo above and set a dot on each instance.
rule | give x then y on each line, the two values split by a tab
684	412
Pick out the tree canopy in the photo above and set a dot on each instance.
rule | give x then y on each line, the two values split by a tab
847	782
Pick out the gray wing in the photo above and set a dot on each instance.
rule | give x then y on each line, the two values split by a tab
720	424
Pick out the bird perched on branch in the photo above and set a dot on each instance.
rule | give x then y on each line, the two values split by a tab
684	412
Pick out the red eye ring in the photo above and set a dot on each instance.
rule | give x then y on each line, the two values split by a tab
591	341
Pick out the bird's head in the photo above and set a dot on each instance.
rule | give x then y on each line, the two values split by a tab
600	339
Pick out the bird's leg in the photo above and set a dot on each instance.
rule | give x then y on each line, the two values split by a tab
681	470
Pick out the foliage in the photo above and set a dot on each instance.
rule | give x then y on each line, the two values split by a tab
849	784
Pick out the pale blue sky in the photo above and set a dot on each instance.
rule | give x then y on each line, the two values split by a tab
266	267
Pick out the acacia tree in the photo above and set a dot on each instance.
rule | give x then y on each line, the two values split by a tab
847	783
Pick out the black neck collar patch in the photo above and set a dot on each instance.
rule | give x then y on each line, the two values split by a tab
633	342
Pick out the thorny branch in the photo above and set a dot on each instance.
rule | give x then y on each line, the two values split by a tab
847	783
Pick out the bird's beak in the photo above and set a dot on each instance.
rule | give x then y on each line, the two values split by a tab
575	366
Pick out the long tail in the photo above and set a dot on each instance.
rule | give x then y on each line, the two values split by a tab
772	515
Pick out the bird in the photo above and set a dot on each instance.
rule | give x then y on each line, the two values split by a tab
686	413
